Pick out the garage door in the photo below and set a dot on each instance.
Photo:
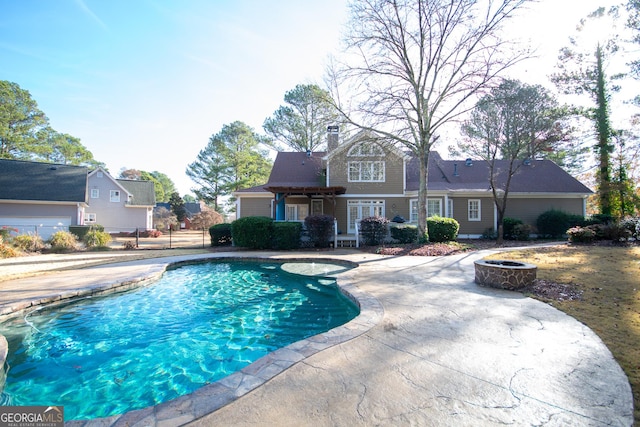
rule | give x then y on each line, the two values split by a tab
42	226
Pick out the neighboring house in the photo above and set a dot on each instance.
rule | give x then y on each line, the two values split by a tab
41	198
119	205
361	178
191	209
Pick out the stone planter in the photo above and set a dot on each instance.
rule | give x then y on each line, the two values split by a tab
504	274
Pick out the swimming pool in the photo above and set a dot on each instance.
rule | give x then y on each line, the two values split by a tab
199	323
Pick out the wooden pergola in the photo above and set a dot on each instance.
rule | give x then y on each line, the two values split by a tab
327	193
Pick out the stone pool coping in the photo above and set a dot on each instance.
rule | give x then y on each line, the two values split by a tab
213	396
447	352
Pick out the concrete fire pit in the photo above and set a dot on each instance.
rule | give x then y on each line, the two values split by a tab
504	274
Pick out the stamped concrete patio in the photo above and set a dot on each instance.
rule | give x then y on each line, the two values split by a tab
432	348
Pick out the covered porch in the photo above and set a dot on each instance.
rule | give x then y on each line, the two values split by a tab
327	194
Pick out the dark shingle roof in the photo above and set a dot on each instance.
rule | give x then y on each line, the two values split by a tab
295	169
34	181
539	176
143	192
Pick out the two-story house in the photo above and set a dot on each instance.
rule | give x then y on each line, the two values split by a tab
41	198
119	205
361	178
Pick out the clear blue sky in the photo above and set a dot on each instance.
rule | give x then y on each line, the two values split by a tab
145	83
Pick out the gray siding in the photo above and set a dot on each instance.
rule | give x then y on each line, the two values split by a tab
114	216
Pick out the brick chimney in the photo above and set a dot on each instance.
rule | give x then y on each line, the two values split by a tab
332	138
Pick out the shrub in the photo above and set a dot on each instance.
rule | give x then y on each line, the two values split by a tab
405	233
581	234
80	231
96	238
373	230
320	229
252	232
515	229
7	251
63	241
614	231
489	234
129	245
442	229
5	233
28	243
633	225
508	225
220	234
601	219
521	232
286	235
554	223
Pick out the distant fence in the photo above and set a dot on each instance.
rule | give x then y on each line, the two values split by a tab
139	238
169	239
44	231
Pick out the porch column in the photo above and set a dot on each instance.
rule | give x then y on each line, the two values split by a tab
280	210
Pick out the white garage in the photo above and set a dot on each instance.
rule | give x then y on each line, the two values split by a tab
42	226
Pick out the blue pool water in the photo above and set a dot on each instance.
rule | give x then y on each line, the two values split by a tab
201	322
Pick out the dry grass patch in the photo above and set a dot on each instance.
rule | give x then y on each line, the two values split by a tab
608	280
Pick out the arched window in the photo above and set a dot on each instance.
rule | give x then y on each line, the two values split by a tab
366	149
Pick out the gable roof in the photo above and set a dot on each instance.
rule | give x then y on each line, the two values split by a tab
43	182
363	136
108	175
297	169
142	192
539	176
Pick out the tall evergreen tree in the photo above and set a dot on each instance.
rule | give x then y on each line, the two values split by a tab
302	123
582	70
177	206
20	121
25	133
233	159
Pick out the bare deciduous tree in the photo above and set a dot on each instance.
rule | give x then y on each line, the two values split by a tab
510	127
412	66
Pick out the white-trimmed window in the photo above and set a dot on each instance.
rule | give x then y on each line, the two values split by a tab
359	209
366	171
95	193
450	208
114	195
474	209
296	212
90	218
99	174
434	208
